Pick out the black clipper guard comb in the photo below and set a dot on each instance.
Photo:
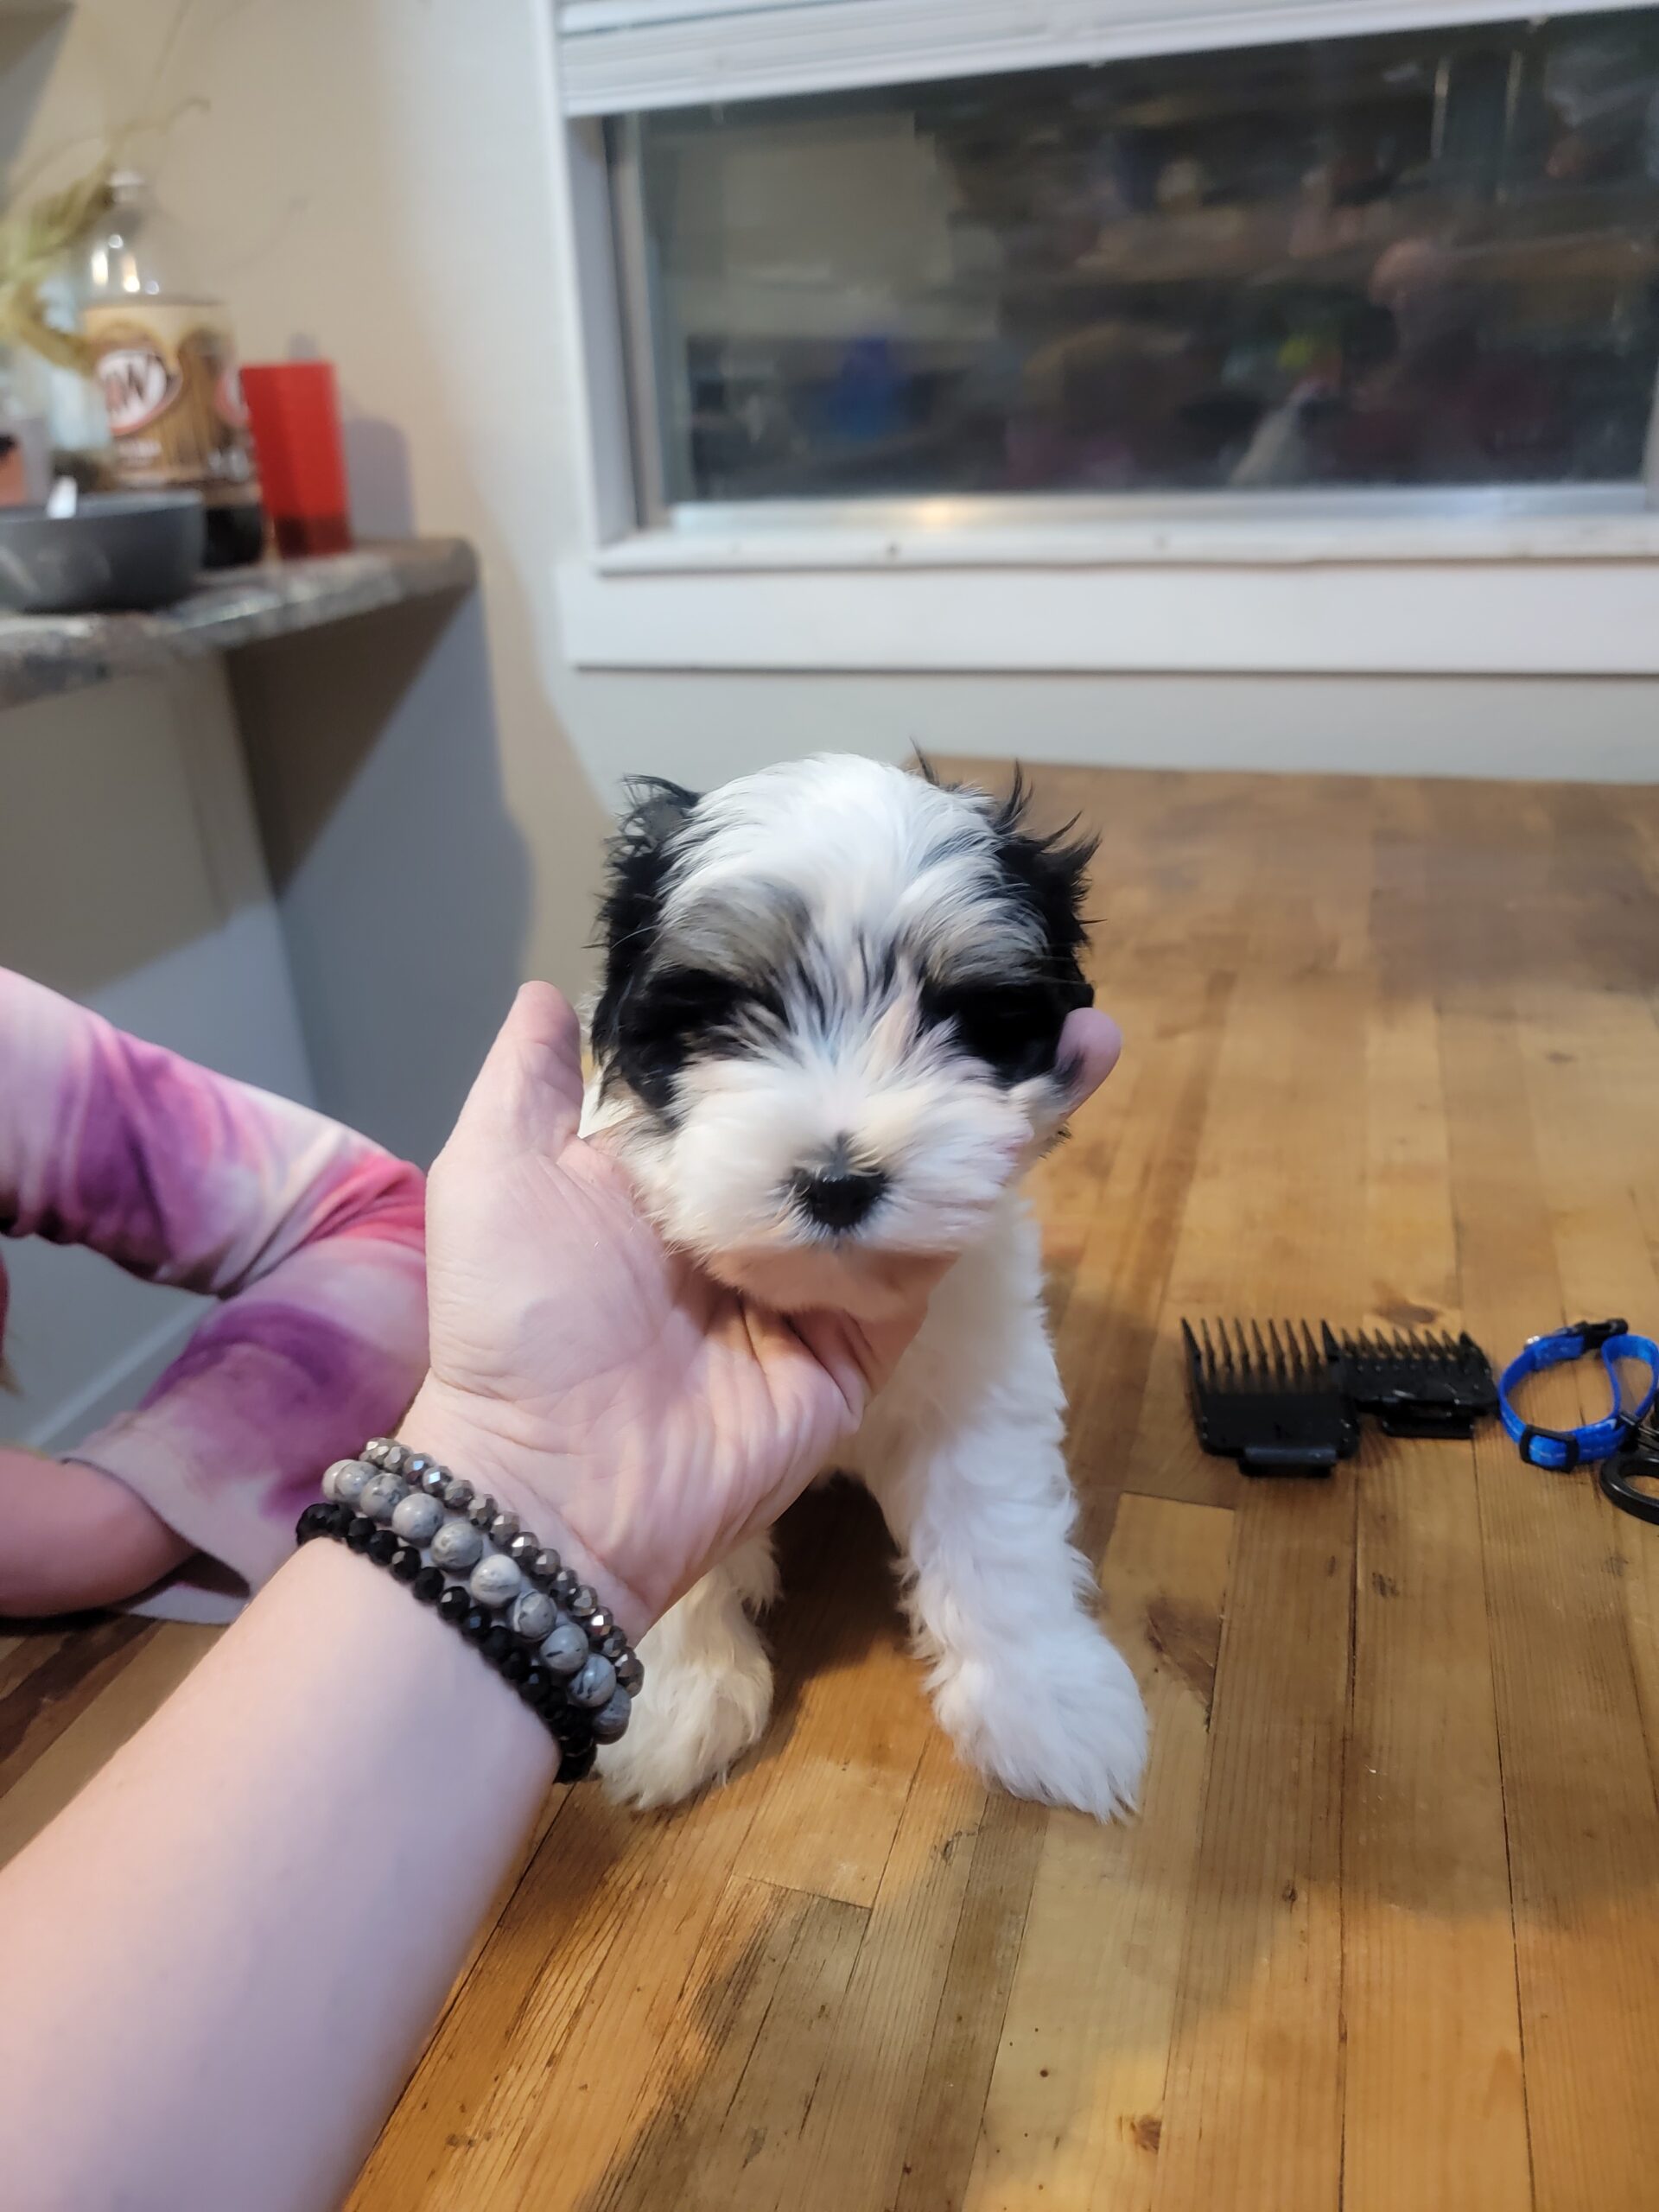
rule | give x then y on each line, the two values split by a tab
1273	1403
1414	1385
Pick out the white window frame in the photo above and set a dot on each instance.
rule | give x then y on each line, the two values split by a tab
1420	582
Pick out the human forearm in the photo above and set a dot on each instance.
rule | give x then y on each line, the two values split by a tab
177	1174
308	1235
233	1993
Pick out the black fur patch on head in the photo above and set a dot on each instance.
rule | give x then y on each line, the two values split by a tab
1051	876
638	859
1014	1025
673	1014
661	1006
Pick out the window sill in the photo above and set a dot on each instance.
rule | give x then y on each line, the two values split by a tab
934	534
1539	594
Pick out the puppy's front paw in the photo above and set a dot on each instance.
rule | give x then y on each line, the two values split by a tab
690	1724
1064	1722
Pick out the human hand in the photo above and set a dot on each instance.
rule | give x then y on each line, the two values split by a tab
640	1417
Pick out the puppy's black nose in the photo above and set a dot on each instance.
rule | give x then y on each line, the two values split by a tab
837	1195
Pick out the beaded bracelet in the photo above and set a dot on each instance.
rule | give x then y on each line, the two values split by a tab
513	1599
570	1728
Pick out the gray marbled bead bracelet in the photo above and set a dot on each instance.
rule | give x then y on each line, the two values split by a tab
544	1631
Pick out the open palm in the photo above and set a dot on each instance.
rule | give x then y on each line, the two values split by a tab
643	1416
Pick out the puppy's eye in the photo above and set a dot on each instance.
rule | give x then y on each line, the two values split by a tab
684	998
1014	1028
667	1018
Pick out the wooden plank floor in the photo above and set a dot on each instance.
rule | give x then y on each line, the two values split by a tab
1386	1934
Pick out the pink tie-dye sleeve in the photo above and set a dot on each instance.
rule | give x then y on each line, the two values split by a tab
309	1234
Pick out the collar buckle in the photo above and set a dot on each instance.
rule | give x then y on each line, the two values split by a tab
1594	1334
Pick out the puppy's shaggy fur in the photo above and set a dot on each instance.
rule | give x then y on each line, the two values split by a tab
830	1035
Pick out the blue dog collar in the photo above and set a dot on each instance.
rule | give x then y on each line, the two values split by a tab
1562	1449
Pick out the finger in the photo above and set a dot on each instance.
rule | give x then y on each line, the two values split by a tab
528	1093
860	1354
881	1344
1090	1045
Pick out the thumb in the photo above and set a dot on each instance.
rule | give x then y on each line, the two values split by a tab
527	1095
860	1354
1090	1045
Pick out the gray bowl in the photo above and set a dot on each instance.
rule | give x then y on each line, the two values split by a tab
119	549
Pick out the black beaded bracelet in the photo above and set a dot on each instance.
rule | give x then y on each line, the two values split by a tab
569	1727
504	1566
544	1631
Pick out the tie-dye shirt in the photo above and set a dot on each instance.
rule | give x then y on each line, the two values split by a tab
309	1234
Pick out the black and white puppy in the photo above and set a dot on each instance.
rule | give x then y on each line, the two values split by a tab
831	1038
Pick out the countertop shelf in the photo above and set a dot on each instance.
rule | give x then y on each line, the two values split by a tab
42	655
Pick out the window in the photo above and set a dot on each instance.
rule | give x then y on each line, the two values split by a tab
1413	266
1089	335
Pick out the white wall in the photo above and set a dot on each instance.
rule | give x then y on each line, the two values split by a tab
368	178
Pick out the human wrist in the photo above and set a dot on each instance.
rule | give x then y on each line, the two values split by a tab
465	1552
344	1603
451	1427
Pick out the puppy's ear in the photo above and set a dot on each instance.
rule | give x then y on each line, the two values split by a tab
1050	876
638	859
